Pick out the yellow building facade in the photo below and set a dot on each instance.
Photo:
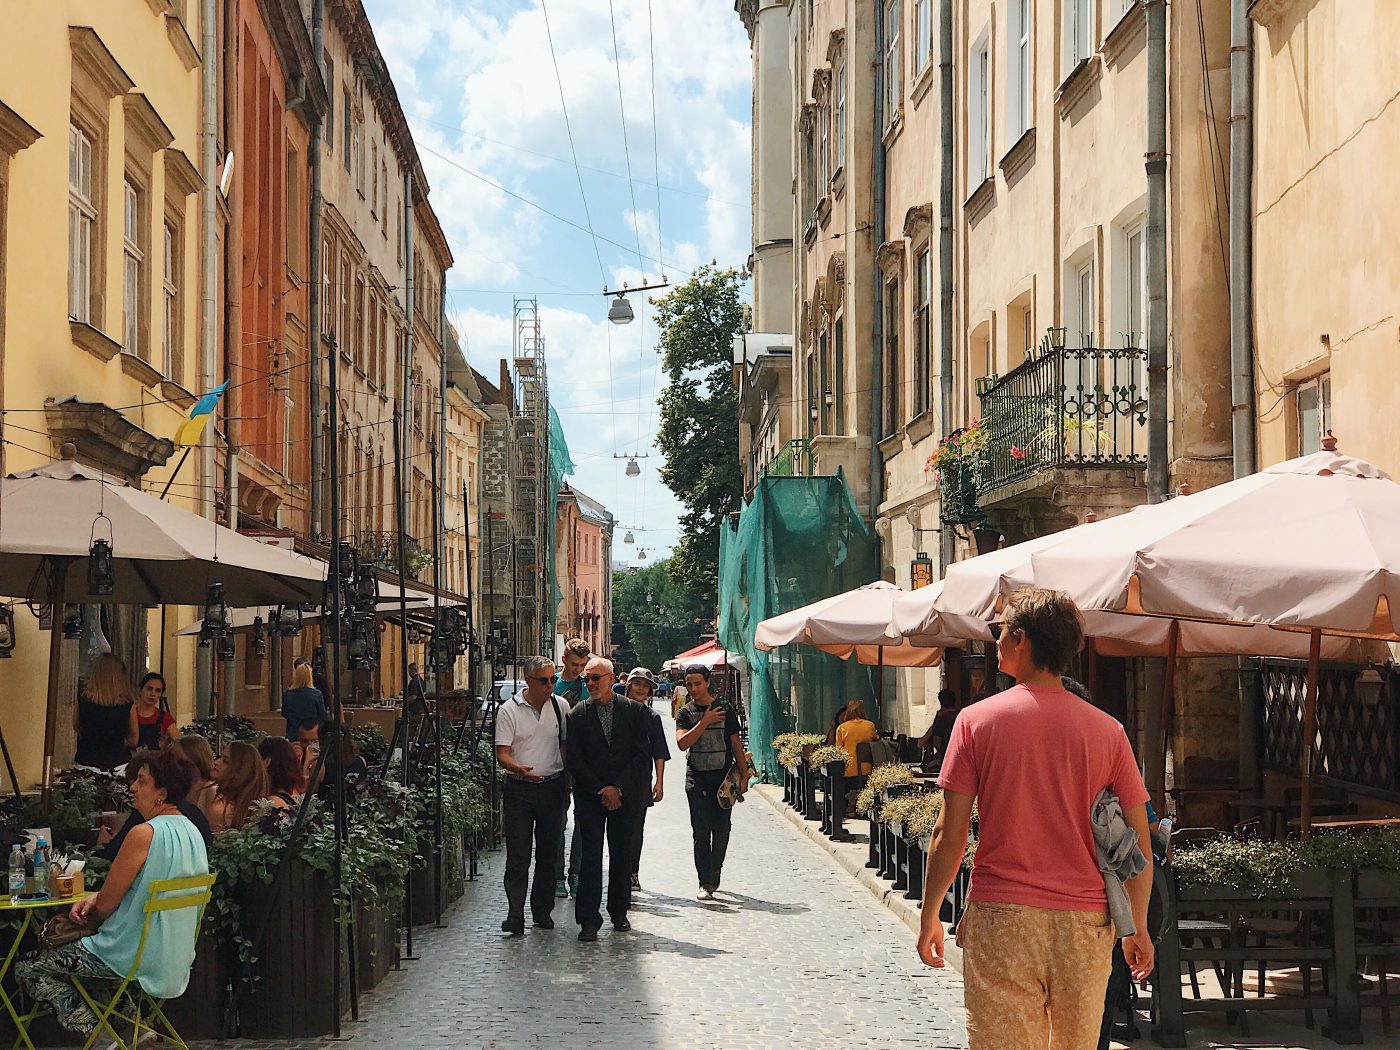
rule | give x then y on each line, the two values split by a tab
100	298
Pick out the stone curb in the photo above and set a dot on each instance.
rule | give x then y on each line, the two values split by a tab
852	857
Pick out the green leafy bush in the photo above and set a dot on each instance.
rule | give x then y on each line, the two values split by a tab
1267	869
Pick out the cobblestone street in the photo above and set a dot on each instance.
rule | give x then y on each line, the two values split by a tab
798	955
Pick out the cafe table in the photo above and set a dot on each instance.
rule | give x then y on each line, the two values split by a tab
27	910
1350	823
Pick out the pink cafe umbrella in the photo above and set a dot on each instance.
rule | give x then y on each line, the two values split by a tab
1309	547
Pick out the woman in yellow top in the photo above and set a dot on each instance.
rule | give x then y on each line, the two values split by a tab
856	729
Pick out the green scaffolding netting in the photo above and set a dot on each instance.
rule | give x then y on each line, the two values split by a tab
561	465
796	541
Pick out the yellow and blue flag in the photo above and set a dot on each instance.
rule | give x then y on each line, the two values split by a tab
190	430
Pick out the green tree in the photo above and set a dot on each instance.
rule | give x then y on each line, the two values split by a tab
655	616
699	434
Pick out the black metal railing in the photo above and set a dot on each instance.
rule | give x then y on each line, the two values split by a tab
958	484
1065	407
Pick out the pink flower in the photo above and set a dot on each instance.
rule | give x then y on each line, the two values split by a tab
1017	452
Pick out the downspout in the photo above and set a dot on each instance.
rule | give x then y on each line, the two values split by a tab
314	264
945	246
232	296
406	380
1242	329
1158	474
208	323
877	321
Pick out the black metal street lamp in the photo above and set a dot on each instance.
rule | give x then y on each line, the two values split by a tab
259	640
7	631
101	571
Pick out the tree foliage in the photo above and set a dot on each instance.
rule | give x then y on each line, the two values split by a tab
699	435
654	616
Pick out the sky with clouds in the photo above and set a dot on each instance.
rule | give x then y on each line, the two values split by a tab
477	81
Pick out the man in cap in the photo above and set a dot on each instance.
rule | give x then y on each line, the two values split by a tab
641	687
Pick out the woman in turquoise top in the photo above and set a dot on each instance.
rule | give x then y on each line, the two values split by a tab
166	846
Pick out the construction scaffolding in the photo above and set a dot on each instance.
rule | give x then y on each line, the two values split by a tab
534	502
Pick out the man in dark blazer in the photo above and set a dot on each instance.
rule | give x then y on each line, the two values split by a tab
609	759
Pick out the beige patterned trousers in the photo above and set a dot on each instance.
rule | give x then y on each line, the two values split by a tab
1033	978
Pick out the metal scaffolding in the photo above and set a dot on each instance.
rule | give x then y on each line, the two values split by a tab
534	553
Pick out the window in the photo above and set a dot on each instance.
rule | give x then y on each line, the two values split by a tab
891	63
1018	78
1314	402
327	288
813	394
809	173
82	223
841	115
1079	32
133	259
978	95
384	178
1134	285
824	151
823	394
170	300
374	178
343	319
293	223
923	35
358	143
347	119
288	423
330	102
894	413
1083	314
923	334
838	373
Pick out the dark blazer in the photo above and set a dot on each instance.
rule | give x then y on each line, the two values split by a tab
626	764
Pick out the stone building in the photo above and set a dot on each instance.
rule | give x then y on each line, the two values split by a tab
583	534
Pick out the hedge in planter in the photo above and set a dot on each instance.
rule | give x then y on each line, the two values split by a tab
881	778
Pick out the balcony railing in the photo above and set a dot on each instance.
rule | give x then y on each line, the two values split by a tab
793	460
1065	407
958	484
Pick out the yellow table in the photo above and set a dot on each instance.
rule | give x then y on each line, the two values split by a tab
28	908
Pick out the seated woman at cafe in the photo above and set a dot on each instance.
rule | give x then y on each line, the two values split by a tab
856	729
935	739
285	780
151	723
101	716
201	756
241	781
109	844
165	846
834	725
345	761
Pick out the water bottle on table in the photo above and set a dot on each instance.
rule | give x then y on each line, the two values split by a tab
17	875
41	870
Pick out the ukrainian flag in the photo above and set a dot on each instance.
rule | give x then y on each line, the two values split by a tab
190	430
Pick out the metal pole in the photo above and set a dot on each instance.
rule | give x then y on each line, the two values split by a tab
59	576
314	264
946	207
209	208
877	299
1158	472
1242	236
406	766
1310	733
438	649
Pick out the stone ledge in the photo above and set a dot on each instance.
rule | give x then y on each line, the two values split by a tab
92	339
851	856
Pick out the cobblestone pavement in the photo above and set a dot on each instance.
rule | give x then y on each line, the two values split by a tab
799	954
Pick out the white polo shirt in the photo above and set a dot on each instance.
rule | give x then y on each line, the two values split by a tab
533	737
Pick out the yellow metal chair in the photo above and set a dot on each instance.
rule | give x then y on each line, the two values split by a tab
192	891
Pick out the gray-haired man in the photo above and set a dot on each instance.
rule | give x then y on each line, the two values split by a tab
530	734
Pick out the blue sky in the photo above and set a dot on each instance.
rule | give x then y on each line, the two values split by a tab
477	82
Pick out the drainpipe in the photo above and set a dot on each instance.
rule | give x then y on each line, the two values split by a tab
314	263
1157	465
406	380
232	293
877	321
1242	329
945	245
208	325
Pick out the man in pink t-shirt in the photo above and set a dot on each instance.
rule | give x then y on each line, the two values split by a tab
1037	940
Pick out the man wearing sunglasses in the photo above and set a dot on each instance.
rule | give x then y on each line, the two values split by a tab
610	763
530	732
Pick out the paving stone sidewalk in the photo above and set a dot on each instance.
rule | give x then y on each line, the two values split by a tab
799	954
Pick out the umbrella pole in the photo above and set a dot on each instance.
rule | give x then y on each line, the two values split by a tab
406	757
59	576
880	687
1310	731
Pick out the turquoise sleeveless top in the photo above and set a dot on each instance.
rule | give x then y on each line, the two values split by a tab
177	851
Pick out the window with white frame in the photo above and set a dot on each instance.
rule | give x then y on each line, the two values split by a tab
979	71
1082	313
1313	401
809	172
1133	286
82	223
1078	32
838	373
327	288
1018	71
923	332
841	115
374	178
347	118
824	151
923	35
170	301
891	61
133	258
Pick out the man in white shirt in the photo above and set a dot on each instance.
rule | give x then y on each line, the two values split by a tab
530	734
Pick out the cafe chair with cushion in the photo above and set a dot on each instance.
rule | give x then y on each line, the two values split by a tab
192	891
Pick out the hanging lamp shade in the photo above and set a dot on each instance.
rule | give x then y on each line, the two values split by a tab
629	538
620	312
632	468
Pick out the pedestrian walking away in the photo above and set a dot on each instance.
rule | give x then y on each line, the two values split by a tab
531	734
1037	936
641	687
568	685
609	762
708	732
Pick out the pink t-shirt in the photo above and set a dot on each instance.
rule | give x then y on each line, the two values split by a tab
1036	759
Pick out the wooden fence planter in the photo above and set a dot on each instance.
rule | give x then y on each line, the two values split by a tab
789	786
1376	889
376	944
1328	896
199	1013
808	778
834	801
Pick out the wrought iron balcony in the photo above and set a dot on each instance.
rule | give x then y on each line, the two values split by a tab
1065	407
793	460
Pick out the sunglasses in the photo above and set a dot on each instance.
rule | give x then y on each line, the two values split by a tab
997	630
540	679
595	677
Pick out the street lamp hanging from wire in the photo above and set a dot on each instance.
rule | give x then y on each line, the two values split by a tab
620	311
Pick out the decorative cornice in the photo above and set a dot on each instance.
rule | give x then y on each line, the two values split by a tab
15	132
177	395
180	40
981	200
1267	12
807	116
140	370
918	222
836	270
91	54
835	45
1019	156
1075	86
821	83
1130	28
105	437
889	257
181	175
142	116
95	341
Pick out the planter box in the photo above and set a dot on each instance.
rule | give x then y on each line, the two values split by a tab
199	1013
1376	884
1312	884
376	944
